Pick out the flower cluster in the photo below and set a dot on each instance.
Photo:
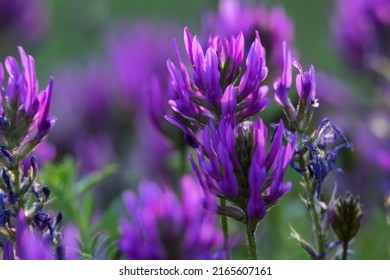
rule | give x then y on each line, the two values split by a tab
25	119
161	227
25	123
216	89
317	154
218	98
234	165
300	116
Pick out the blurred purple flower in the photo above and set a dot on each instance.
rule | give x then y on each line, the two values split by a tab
114	101
273	24
233	164
23	20
92	117
136	54
93	152
29	246
162	227
142	160
373	144
362	29
70	242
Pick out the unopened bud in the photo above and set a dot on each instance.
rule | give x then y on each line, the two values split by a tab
345	216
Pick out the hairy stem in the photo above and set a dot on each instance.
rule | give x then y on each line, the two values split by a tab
250	234
16	172
315	215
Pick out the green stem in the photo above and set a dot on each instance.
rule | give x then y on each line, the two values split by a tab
225	228
320	238
251	243
345	251
16	172
315	216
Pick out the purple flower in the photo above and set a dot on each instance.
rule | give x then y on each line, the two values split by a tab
31	244
363	42
305	84
25	115
162	227
323	148
233	163
213	89
70	242
273	25
135	58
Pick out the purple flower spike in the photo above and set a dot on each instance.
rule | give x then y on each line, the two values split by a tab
300	116
211	90
25	119
162	227
229	152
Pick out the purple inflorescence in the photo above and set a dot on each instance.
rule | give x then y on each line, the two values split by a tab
160	226
215	89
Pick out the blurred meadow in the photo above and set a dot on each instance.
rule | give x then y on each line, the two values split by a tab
103	55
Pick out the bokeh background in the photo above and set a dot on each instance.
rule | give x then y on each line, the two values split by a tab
92	46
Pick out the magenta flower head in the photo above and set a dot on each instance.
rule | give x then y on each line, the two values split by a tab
299	116
160	226
219	86
233	163
273	25
364	42
24	113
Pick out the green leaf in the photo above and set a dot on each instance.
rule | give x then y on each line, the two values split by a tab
93	180
304	244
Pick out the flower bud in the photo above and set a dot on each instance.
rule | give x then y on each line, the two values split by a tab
345	216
